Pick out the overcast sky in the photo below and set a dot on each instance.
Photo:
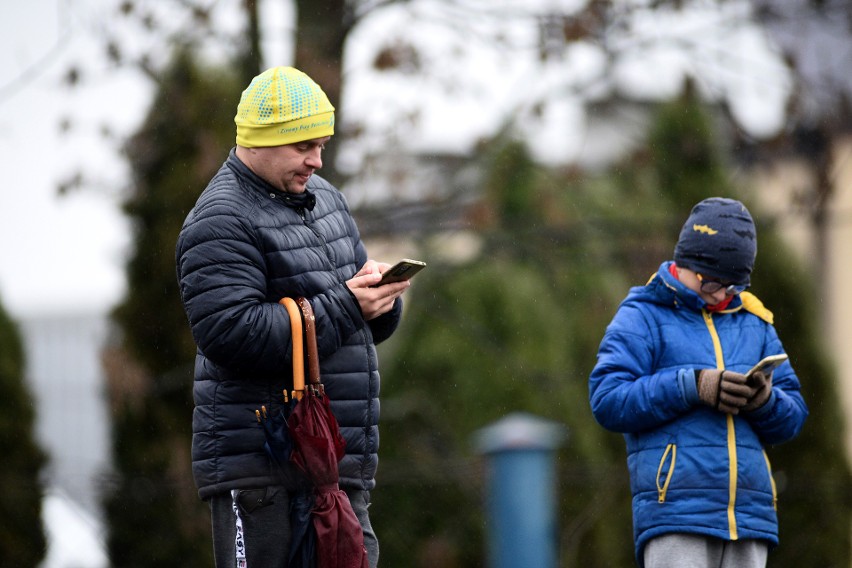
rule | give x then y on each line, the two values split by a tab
55	253
67	253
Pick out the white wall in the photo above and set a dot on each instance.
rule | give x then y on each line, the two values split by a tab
64	374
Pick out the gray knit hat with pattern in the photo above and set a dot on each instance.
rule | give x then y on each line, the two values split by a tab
718	240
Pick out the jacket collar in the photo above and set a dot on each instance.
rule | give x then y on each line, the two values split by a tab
663	288
667	289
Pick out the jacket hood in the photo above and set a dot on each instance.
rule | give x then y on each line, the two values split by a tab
664	289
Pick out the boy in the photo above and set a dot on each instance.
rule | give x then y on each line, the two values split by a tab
670	377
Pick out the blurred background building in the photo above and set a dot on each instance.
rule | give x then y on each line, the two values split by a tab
65	375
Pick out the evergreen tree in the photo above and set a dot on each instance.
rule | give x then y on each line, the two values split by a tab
684	153
22	538
153	512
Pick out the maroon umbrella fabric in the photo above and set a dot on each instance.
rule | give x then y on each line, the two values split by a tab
317	448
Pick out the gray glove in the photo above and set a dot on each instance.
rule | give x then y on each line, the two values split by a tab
762	385
725	391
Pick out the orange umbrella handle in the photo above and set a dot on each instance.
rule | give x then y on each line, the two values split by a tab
298	349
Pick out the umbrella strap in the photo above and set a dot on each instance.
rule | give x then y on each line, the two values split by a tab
239	541
311	351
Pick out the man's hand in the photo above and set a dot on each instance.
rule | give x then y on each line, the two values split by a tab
375	301
762	385
725	391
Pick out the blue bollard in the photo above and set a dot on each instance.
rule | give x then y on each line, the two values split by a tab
521	491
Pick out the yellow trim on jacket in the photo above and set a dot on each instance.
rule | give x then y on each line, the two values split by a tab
752	304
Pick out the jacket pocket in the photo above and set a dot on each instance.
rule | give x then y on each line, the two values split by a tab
665	471
771	481
251	499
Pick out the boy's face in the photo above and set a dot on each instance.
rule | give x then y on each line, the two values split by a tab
693	281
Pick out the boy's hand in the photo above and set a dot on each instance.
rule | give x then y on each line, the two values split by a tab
762	385
725	391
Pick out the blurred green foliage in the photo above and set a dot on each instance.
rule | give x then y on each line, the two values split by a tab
22	537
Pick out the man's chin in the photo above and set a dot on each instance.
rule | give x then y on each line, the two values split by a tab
298	184
296	187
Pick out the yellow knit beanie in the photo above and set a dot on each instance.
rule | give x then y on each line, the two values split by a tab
281	106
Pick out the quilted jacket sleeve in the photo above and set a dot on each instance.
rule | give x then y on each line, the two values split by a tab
626	393
783	416
384	325
223	288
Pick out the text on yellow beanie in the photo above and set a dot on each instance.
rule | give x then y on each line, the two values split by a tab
281	106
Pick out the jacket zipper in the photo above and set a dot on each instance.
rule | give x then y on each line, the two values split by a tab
731	437
671	449
732	486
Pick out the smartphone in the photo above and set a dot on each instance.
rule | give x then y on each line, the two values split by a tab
402	270
767	364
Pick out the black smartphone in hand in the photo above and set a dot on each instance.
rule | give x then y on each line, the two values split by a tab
402	270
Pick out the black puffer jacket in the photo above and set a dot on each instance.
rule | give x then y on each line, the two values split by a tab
242	248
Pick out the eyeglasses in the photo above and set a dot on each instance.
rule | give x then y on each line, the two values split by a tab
711	286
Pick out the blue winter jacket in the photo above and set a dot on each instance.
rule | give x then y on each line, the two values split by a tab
242	248
693	469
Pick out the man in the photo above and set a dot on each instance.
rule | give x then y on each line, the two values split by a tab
670	376
265	228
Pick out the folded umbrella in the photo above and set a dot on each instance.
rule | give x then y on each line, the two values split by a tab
279	447
318	446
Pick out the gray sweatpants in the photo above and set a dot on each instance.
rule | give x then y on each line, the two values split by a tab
264	527
680	550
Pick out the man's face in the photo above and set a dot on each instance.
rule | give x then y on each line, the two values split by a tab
289	167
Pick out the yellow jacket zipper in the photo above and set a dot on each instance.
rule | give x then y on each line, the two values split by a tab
732	436
664	488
